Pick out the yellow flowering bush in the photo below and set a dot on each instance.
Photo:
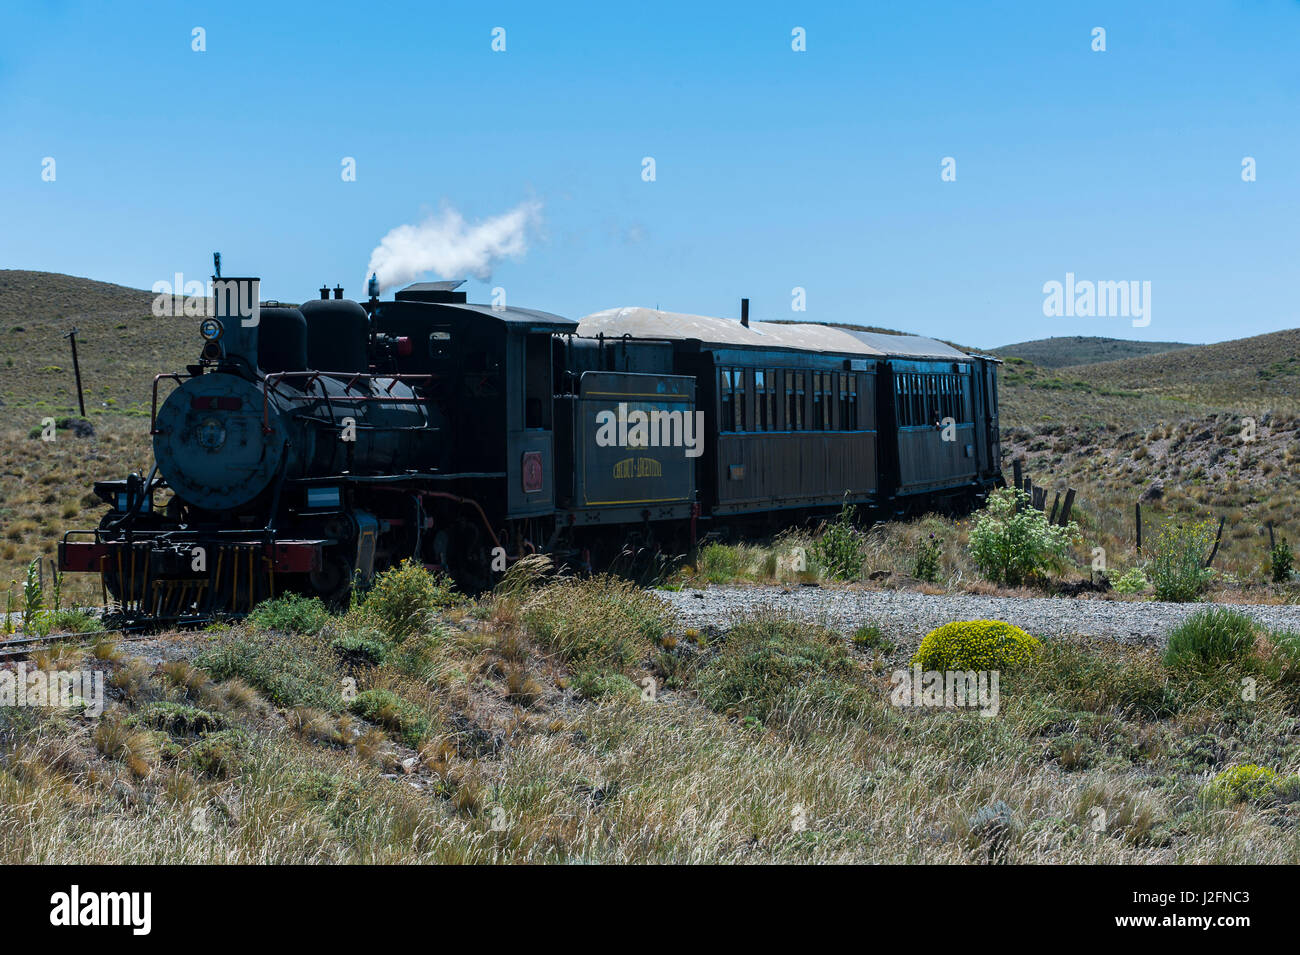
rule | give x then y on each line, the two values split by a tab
976	645
1247	783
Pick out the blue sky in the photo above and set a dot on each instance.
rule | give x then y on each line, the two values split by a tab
775	169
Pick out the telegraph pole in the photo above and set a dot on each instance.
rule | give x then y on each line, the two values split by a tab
76	369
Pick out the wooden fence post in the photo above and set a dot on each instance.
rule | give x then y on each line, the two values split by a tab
1217	537
1137	510
1056	499
1017	473
1069	503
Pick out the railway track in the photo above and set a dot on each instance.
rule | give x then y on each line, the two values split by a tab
19	648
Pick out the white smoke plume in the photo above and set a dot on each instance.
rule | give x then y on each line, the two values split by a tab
444	243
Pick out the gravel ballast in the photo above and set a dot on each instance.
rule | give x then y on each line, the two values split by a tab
906	614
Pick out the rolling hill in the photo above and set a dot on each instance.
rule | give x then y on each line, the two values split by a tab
1081	349
120	345
1242	372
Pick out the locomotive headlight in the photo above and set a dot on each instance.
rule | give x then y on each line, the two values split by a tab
211	434
211	330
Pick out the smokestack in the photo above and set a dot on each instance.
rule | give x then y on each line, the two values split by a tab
744	312
239	310
324	292
338	291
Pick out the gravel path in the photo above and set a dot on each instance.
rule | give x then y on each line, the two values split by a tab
905	614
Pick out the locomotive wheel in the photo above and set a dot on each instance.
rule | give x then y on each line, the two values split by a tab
333	582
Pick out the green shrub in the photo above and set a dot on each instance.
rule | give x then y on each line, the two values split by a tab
403	598
840	547
390	711
1281	561
1248	783
218	754
719	563
1133	581
598	623
929	559
1284	658
1177	566
763	661
292	612
74	621
1101	677
177	719
358	649
600	684
290	670
871	637
1011	541
1209	638
976	645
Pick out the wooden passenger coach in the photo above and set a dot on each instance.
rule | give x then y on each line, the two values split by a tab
810	416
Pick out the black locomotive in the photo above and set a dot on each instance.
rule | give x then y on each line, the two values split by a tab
310	447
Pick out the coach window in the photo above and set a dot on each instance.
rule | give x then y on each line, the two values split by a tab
849	402
794	392
727	403
760	387
738	375
826	396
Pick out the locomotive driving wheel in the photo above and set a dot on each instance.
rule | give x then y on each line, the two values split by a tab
333	582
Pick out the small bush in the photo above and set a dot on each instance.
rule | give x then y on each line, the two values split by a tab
218	754
403	597
177	719
292	612
871	637
290	671
929	559
1177	566
841	548
1133	581
600	684
1248	783
600	623
1281	561
976	645
762	660
521	687
1211	637
1012	541
74	621
390	711
357	649
719	563
137	748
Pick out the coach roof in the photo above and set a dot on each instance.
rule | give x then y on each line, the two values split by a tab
726	332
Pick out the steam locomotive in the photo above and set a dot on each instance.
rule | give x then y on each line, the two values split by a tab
310	447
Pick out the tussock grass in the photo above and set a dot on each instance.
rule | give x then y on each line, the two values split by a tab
600	622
